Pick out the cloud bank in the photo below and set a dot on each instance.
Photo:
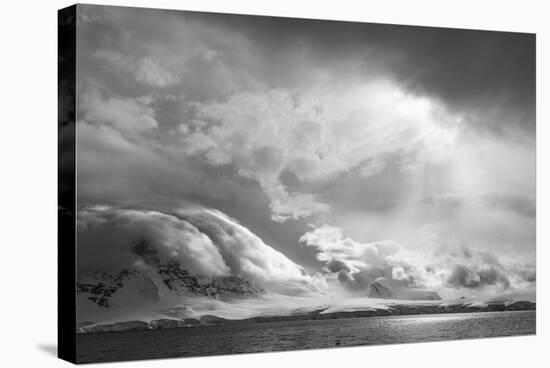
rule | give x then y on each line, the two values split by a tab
357	265
204	241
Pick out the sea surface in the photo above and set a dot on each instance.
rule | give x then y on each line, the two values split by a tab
294	335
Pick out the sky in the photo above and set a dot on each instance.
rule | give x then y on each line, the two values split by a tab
326	154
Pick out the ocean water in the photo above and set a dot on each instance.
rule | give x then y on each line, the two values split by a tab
295	335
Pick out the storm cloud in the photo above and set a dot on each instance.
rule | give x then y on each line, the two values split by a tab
482	72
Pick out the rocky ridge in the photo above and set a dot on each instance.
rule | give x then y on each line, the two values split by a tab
101	286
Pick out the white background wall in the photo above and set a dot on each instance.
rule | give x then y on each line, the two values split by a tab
28	181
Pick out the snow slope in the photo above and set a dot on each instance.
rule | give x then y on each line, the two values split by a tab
167	296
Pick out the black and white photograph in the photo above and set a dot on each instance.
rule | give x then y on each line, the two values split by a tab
251	184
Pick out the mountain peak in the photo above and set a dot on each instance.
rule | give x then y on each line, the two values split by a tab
385	289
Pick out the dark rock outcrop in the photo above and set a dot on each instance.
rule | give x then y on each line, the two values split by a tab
99	287
378	290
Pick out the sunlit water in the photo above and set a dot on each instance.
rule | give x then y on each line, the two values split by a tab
277	336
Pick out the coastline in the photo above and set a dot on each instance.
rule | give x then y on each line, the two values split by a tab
316	314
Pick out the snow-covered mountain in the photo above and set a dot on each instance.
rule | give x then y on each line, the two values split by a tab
385	289
274	307
102	293
200	267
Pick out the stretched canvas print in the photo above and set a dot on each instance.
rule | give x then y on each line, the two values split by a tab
236	184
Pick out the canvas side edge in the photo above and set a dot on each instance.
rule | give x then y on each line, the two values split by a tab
66	298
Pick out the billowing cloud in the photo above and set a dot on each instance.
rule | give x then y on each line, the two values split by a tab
462	276
316	134
128	114
357	265
466	268
204	241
